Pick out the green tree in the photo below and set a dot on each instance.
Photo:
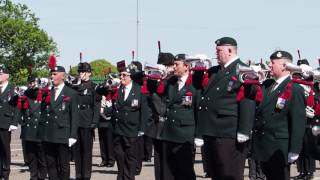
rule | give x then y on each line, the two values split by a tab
22	41
100	68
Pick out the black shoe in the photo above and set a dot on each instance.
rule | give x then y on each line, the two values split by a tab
309	176
206	175
103	163
110	164
300	176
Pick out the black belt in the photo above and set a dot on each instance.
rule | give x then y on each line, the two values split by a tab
84	106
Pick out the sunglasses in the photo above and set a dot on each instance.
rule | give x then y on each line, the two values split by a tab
124	75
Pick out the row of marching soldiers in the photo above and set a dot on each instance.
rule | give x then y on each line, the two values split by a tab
231	110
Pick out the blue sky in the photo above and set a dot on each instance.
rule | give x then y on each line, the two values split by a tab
107	28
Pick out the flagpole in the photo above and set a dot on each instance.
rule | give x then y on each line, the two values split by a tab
137	35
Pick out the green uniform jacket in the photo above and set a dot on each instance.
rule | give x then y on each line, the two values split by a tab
30	121
180	123
130	116
279	130
8	110
59	120
219	113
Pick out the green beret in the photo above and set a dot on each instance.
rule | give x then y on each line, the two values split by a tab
226	41
281	55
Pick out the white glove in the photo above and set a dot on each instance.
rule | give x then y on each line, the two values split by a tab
241	138
140	133
292	157
72	141
12	128
315	130
198	142
105	103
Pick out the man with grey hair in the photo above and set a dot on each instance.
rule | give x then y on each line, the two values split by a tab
223	122
280	121
8	121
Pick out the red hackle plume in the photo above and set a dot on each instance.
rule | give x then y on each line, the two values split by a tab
52	61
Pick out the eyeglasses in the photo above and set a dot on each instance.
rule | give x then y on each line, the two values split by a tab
124	75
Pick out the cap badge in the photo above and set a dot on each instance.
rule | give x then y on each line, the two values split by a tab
279	54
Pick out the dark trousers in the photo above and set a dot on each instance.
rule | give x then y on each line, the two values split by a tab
57	157
276	168
83	153
106	145
179	158
225	158
5	153
255	171
305	163
139	151
204	161
158	159
147	147
125	153
35	155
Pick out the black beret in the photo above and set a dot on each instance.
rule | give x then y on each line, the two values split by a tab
226	41
31	78
84	67
165	58
281	55
58	69
4	69
134	67
302	61
181	57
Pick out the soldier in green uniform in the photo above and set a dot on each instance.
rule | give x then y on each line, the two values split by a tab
280	121
129	120
30	117
89	105
223	122
8	121
178	130
157	105
59	125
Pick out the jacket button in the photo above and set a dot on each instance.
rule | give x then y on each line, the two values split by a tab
48	115
35	127
172	120
117	111
56	117
206	108
175	111
199	107
47	122
208	98
36	119
29	118
218	88
39	112
27	125
202	97
262	133
256	119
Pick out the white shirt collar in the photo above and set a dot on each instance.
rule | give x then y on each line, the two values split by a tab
58	90
280	80
4	86
184	78
231	61
128	87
